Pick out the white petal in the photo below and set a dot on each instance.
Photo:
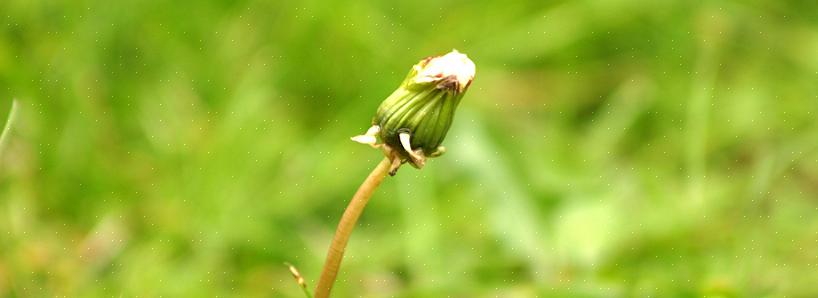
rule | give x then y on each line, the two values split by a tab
365	139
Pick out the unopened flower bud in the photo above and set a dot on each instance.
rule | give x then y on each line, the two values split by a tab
413	121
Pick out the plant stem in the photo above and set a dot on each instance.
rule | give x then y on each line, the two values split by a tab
345	226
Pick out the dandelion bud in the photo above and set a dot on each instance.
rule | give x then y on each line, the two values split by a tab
413	121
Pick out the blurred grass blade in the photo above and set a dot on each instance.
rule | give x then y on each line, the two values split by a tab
698	114
7	128
421	225
624	106
509	199
299	279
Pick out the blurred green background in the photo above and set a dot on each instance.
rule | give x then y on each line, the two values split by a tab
615	148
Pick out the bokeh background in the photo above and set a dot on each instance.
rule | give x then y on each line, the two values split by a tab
615	148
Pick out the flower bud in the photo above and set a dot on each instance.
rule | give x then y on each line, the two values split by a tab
413	121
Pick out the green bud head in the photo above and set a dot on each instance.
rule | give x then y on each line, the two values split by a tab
425	102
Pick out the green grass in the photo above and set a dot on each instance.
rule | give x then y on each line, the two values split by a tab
605	149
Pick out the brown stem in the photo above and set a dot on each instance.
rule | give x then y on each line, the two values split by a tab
345	226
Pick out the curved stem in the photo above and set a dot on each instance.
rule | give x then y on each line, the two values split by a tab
345	226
